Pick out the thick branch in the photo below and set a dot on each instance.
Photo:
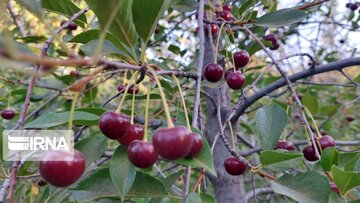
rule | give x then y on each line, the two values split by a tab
334	66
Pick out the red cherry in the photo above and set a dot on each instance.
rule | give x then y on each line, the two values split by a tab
213	72
75	73
214	29
241	58
172	143
72	26
227	7
227	72
234	167
334	188
353	7
121	87
7	114
62	173
350	118
309	153
235	80
225	15
285	145
142	154
114	125
275	46
270	37
134	132
196	146
326	141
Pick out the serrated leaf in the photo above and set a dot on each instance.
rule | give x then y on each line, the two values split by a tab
309	187
64	7
146	15
276	156
281	18
270	123
122	26
56	119
345	180
122	172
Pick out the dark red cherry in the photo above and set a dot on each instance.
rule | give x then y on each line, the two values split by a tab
225	15
275	46
142	154
213	72
234	167
62	173
353	7
334	188
134	132
214	29
285	145
235	80
350	118
173	143
75	73
132	89
72	26
241	58
114	125
121	87
227	7
7	114
309	153
326	141
196	146
348	5
270	37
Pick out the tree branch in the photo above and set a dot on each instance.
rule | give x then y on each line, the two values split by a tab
16	19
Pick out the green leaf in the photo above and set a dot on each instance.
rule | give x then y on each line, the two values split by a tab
122	26
108	49
32	5
147	186
56	119
184	5
311	103
194	198
309	187
146	15
97	144
245	6
345	180
64	7
329	157
122	172
329	110
281	18
170	180
276	156
270	123
202	160
93	110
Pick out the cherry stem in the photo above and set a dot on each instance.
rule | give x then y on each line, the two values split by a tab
71	118
132	106
217	42
147	112
163	98
307	135
118	110
308	113
284	132
9	100
143	52
232	135
125	76
183	102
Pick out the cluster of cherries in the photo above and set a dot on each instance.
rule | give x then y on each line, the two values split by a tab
233	77
353	6
171	143
7	114
274	41
224	15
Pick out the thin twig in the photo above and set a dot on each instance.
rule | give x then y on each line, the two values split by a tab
16	19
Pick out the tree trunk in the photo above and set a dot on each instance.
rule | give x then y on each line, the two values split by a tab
228	189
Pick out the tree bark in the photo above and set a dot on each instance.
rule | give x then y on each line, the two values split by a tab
228	189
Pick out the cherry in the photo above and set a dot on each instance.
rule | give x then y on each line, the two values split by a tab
348	5
241	58
196	146
213	72
342	41
285	145
75	73
309	153
227	7
134	132
71	26
173	143
114	125
270	37
227	72
214	29
224	15
350	118
235	80
275	46
334	188
234	167
7	114
326	141
121	87
62	173
353	7
142	154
